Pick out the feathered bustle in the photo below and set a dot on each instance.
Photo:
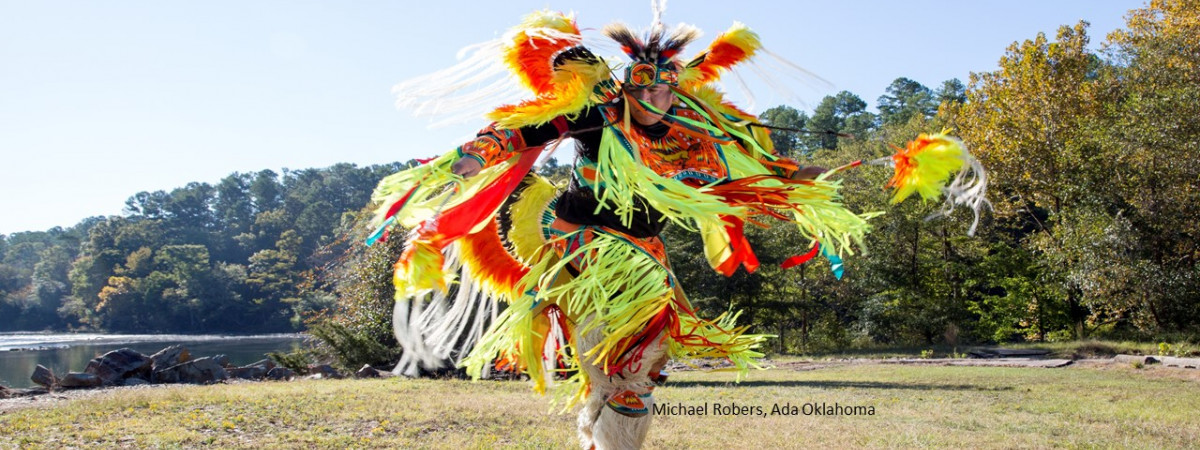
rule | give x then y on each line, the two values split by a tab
925	165
736	45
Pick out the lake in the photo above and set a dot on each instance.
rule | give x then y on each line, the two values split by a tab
20	353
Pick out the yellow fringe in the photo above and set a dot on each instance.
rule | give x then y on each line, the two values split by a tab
526	215
624	288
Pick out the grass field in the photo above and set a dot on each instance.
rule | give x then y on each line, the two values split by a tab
1066	349
914	406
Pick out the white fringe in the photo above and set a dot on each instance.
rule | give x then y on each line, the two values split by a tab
775	71
658	7
435	331
479	82
969	189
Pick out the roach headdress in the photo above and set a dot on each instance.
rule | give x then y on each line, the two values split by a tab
652	58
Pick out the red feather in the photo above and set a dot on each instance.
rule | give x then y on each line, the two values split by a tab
458	221
800	259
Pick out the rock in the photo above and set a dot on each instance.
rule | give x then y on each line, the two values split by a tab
135	382
367	372
280	374
370	372
266	364
4	392
81	380
1132	359
1019	353
256	371
43	376
118	365
1006	352
170	356
990	362
248	372
1013	362
325	371
1190	363
13	393
223	360
196	371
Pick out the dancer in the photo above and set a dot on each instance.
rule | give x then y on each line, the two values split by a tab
572	286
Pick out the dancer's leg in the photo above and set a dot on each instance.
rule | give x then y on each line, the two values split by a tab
605	420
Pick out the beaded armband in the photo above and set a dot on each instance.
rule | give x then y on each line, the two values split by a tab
491	143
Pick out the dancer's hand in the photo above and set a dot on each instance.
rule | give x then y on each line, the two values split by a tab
808	172
466	167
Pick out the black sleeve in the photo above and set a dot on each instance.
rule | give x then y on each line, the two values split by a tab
590	120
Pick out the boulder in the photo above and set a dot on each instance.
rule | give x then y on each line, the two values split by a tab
248	372
266	364
223	360
43	376
118	365
367	372
81	380
255	371
170	356
4	392
135	382
196	371
280	374
325	371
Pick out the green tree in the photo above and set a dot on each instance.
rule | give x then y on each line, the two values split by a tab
905	99
274	277
1151	132
1028	122
952	91
844	113
787	143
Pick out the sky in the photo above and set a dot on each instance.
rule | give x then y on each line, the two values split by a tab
101	100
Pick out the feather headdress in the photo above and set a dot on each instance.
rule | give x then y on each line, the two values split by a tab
658	47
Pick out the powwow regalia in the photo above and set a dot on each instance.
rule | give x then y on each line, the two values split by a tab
571	285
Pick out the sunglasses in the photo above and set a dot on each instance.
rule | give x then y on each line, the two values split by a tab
643	75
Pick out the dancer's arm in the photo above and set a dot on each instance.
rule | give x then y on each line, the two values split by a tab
807	172
493	144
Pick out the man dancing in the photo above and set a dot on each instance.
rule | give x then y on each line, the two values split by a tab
589	299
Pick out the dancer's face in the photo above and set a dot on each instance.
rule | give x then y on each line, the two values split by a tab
659	96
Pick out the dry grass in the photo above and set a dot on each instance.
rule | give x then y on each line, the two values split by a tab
915	406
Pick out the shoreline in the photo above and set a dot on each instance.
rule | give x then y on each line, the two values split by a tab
62	354
20	341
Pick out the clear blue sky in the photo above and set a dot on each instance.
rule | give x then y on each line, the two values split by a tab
100	100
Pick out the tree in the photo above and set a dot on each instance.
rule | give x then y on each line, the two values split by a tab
1151	132
1031	123
952	91
274	277
234	211
265	191
842	113
905	99
787	143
